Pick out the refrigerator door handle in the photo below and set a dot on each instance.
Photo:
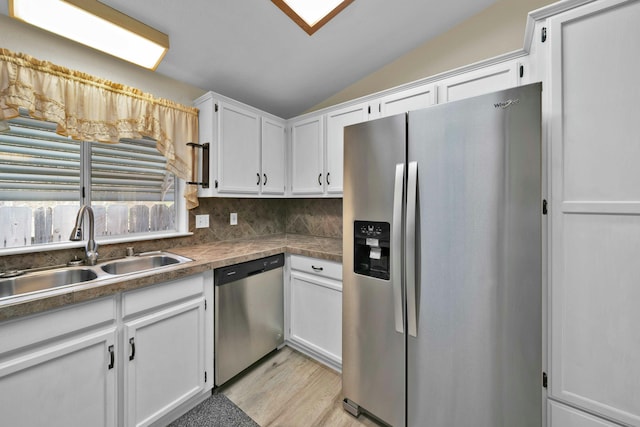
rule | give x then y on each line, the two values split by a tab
410	249
396	248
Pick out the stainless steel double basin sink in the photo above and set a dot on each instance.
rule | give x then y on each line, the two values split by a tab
30	282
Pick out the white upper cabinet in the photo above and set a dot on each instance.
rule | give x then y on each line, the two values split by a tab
407	100
336	121
595	209
239	149
247	149
273	156
307	156
478	82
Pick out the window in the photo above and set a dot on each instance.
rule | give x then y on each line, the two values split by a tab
44	177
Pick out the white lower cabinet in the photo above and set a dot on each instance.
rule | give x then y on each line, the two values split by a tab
315	301
565	416
164	357
83	365
59	368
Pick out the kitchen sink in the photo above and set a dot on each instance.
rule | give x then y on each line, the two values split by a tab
21	283
34	282
141	263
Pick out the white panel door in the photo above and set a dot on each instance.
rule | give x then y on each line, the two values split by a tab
273	156
478	82
164	361
307	156
595	209
316	314
239	148
406	100
336	121
69	382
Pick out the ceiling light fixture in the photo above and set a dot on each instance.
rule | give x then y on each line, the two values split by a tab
310	15
96	25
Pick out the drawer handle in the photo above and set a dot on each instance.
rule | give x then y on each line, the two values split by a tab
317	268
133	348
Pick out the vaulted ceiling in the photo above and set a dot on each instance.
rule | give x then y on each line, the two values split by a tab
251	51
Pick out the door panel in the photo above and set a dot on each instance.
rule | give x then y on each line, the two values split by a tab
373	353
477	358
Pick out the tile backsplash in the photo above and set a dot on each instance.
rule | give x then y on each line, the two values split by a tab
256	217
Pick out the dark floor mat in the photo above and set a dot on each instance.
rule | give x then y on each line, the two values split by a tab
216	411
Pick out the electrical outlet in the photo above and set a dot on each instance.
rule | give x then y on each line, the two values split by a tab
233	218
202	221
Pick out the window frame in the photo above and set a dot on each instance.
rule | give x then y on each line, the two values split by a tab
84	197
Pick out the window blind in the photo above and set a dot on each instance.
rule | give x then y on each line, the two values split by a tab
38	164
132	170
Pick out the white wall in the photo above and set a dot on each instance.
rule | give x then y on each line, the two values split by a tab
496	30
20	37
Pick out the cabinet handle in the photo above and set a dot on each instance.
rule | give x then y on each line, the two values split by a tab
112	357
133	348
258	175
328	174
320	179
317	268
265	178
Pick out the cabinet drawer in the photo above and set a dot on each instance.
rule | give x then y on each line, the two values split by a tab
25	331
565	416
330	269
165	293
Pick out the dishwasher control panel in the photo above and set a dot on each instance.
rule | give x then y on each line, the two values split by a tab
235	272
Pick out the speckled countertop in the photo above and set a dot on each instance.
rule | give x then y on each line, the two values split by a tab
205	257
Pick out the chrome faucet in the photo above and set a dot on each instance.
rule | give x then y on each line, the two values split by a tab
91	251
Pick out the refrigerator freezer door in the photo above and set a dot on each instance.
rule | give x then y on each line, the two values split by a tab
476	360
373	352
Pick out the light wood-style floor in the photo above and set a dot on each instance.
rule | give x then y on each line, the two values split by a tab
288	389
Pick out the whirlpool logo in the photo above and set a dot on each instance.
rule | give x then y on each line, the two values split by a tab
506	104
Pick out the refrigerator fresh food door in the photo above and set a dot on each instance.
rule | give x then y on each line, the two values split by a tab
476	360
373	340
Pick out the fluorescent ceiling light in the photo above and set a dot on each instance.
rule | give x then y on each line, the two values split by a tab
96	25
311	14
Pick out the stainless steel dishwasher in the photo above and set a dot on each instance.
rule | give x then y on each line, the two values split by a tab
249	314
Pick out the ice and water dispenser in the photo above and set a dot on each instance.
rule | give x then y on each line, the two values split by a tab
371	248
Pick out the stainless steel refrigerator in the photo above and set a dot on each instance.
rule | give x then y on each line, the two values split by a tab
442	214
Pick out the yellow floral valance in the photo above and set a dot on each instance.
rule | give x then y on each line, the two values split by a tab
87	108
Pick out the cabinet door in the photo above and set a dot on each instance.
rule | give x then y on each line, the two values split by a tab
164	361
316	315
478	82
407	100
595	209
239	150
307	139
273	156
69	382
336	121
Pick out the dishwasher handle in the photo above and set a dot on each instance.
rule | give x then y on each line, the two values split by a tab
253	273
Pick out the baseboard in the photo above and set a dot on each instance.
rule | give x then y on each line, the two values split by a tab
182	409
316	355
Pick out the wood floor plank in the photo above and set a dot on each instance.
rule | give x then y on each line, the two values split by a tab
289	389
